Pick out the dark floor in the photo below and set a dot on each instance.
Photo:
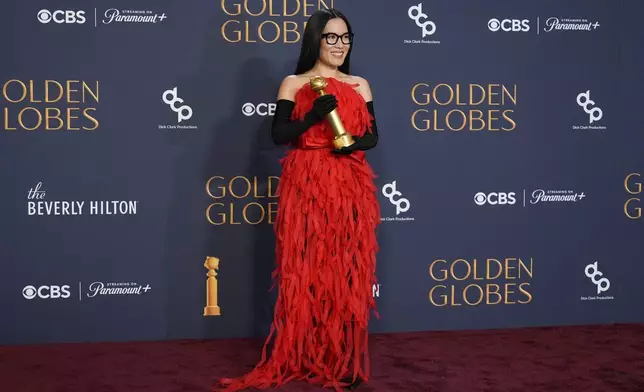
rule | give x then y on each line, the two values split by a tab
589	359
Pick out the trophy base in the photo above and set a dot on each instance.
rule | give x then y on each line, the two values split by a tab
211	311
344	140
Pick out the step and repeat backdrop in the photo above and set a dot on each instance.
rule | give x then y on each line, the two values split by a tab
135	144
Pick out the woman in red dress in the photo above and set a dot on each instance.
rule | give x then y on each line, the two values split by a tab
326	221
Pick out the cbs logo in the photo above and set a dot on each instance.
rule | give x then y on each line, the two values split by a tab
67	16
495	198
261	109
46	292
508	25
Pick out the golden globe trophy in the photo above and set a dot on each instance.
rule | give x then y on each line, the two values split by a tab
212	308
341	138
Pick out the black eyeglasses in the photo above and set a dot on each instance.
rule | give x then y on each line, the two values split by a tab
332	38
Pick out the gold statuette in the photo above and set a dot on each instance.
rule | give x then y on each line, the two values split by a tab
341	138
212	308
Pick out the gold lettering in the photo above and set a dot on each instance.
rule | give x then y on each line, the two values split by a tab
435	94
482	89
508	292
480	295
527	294
237	9
489	292
261	32
508	119
69	120
6	120
469	270
444	271
512	96
55	116
427	125
238	33
70	90
443	297
257	14
61	91
508	268
23	87
32	99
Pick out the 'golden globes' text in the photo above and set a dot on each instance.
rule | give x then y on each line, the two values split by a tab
474	107
463	282
242	200
268	21
50	105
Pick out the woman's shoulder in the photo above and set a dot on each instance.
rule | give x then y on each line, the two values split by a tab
362	87
291	85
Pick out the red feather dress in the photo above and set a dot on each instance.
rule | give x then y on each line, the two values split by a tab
326	255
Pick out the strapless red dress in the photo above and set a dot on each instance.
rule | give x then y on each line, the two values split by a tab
326	248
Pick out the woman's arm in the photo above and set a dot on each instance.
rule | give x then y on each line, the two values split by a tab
284	130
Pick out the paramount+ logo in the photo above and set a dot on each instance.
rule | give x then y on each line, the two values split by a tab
46	292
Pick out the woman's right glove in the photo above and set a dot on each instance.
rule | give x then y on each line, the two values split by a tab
322	106
285	130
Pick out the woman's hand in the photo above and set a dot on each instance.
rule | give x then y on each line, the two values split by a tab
321	107
349	149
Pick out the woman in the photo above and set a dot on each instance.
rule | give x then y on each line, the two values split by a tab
326	220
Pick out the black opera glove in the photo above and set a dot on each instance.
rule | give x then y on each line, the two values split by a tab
366	141
322	106
369	140
284	130
349	149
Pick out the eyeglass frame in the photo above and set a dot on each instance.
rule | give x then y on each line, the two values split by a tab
339	37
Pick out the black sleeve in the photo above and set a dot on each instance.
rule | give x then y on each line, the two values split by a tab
369	140
284	130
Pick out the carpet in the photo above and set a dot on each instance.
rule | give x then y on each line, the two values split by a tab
605	358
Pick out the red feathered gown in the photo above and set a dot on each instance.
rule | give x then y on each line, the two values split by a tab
326	255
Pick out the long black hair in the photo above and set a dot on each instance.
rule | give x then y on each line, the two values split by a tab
310	51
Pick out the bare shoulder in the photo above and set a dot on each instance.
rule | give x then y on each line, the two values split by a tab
364	88
289	87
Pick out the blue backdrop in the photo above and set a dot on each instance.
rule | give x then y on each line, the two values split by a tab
135	143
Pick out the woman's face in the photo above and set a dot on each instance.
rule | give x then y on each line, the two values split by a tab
335	42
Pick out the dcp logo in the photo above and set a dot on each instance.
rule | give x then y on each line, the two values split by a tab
603	284
184	112
415	13
261	109
67	16
46	292
594	114
402	204
508	25
495	198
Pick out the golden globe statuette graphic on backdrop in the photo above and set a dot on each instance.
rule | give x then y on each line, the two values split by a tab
341	138
212	307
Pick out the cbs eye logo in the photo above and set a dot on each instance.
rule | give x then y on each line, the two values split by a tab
495	24
46	292
60	17
261	109
495	198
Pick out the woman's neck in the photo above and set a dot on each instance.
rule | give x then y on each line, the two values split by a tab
326	71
